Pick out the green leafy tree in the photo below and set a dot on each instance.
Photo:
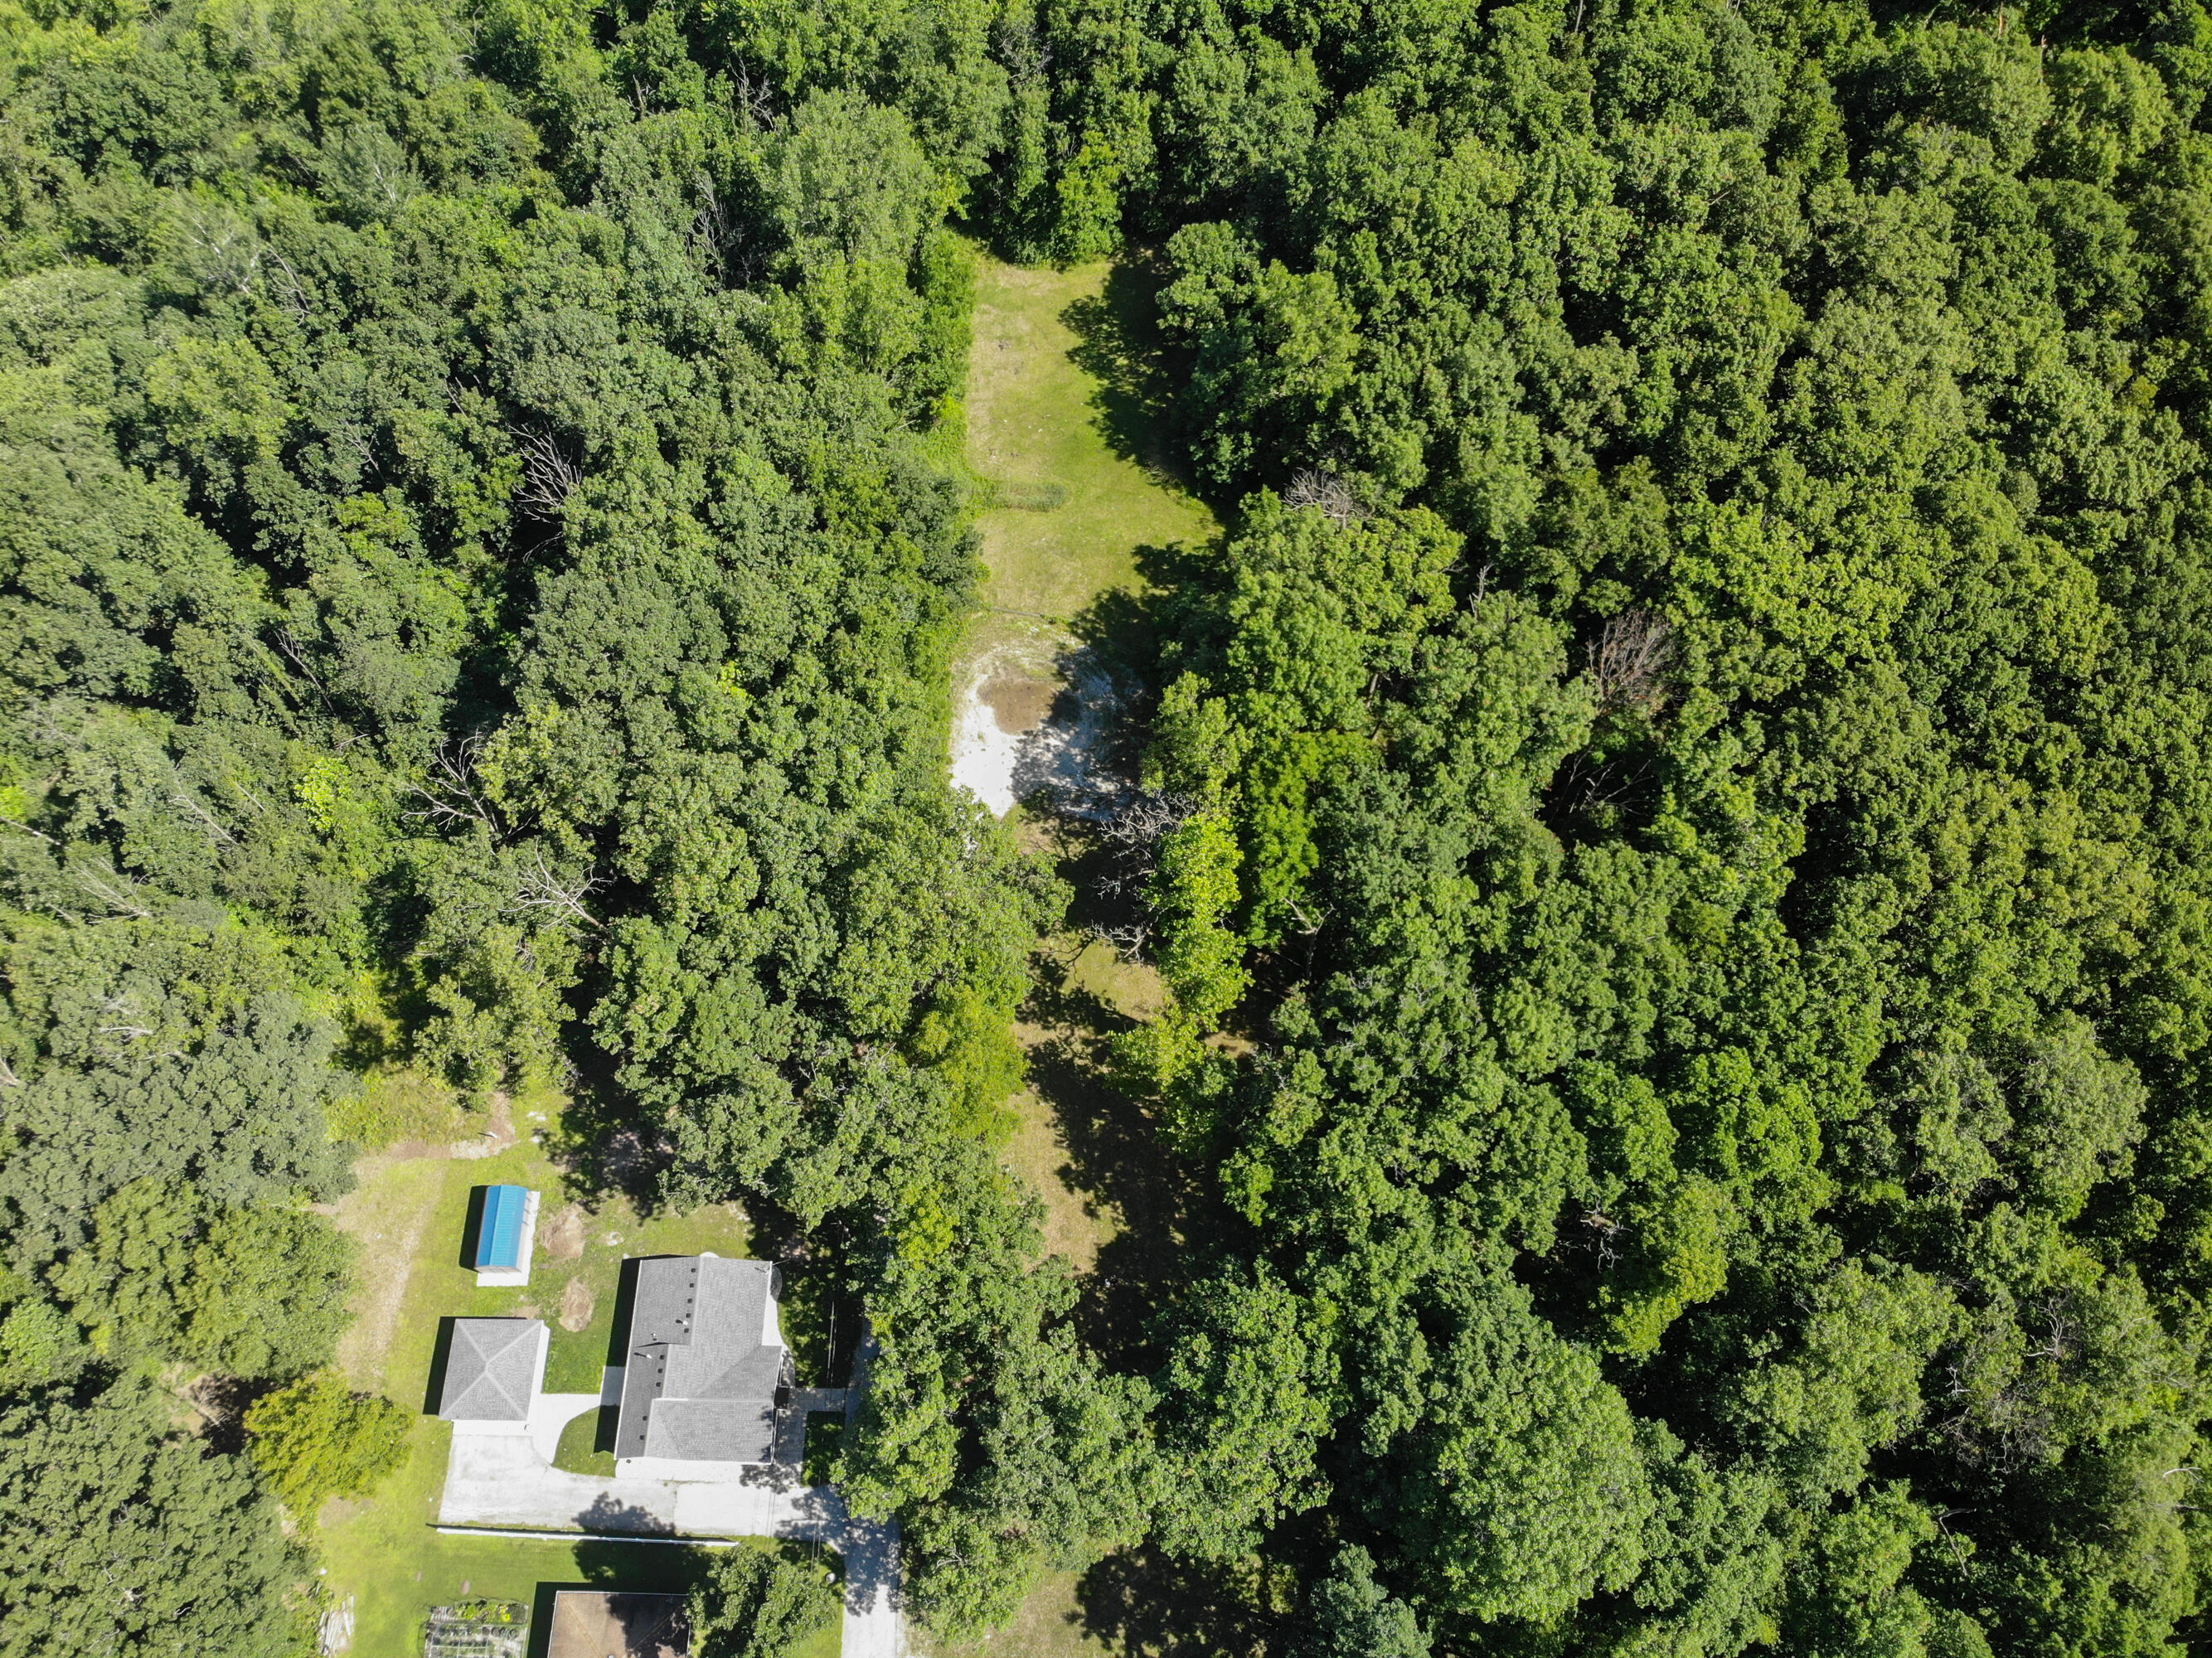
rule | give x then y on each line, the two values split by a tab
168	1550
318	1438
1349	1615
754	1604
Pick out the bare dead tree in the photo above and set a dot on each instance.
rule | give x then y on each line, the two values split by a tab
8	1077
549	476
298	658
1606	1236
1025	53
540	889
1132	829
118	891
1313	487
1127	938
211	825
718	237
286	286
753	100
1629	665
352	438
451	792
219	245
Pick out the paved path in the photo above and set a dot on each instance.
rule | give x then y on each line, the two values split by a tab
791	1422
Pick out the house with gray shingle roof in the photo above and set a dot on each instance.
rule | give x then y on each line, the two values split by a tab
494	1368
705	1362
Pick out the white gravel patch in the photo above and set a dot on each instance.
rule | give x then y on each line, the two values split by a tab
1068	751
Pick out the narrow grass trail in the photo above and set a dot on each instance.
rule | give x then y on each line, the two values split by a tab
1061	387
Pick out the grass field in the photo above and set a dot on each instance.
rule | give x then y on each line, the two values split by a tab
1057	407
1058	424
1062	386
408	1216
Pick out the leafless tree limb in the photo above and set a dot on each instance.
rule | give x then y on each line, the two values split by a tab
1313	487
115	889
754	100
539	887
549	476
294	294
1629	665
451	793
298	659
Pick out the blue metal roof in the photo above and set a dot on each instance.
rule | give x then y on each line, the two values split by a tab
499	1240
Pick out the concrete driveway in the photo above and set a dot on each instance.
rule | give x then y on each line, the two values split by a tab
499	1479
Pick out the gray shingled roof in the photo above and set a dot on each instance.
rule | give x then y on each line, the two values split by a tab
698	1381
491	1370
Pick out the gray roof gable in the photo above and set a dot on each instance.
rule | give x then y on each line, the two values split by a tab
699	1380
491	1370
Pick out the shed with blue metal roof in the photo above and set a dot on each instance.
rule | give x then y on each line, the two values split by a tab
506	1236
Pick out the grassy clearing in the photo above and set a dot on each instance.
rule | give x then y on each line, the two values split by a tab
1050	1625
1060	423
1053	426
1061	389
408	1216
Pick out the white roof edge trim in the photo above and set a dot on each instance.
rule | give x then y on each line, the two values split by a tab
771	1332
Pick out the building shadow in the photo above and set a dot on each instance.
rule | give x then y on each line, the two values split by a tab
433	1390
472	1227
617	1355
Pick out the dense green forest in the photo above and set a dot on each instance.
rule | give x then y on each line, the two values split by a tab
1673	821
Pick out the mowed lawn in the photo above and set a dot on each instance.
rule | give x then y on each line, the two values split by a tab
1056	414
407	1217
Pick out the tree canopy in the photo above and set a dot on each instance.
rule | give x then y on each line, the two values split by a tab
1683	787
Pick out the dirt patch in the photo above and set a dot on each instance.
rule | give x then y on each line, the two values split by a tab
1018	705
576	1303
498	1135
563	1238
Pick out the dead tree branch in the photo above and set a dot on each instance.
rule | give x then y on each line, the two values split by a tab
549	476
451	793
539	887
1629	665
1313	487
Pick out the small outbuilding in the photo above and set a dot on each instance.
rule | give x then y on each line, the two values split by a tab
495	1368
507	1238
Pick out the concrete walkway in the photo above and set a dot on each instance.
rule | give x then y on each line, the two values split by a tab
791	1421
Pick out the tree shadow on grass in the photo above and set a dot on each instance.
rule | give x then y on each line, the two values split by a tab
606	1147
1146	1605
1116	1159
1118	344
